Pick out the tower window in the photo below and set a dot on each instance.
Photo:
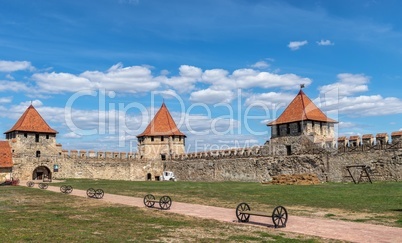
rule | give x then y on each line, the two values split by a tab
288	150
37	138
162	138
47	136
152	139
37	154
26	135
163	156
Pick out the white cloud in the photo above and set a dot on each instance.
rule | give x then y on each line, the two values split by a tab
270	99
338	98
210	96
260	65
219	79
343	125
4	100
71	135
189	75
295	45
249	78
10	66
168	94
139	79
200	124
347	84
60	82
117	78
130	2
125	79
325	43
373	105
13	86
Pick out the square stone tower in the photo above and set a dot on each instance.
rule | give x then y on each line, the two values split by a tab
302	124
161	139
33	146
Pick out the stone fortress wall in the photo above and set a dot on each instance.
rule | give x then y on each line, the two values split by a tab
257	163
327	160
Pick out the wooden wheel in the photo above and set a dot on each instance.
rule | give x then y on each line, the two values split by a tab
165	202
90	192
279	217
148	200
42	185
240	212
30	183
69	189
99	193
63	188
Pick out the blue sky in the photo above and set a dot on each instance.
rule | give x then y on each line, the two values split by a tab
97	71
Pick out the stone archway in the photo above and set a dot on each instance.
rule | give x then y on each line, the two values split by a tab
149	177
41	173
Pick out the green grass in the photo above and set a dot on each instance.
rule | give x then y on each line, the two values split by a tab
32	215
380	202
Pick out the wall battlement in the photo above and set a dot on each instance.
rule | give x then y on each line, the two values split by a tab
370	140
354	143
99	155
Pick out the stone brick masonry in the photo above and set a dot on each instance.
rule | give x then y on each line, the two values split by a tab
251	164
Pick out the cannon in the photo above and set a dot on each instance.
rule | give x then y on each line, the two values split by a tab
279	215
164	202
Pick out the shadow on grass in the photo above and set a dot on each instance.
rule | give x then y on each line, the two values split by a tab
257	223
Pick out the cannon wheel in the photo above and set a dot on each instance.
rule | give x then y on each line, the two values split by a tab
280	217
30	183
148	202
242	217
165	202
63	188
90	192
69	189
99	193
42	185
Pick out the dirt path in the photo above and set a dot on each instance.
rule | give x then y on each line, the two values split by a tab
324	228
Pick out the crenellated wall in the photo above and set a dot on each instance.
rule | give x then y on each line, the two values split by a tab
258	163
328	160
83	154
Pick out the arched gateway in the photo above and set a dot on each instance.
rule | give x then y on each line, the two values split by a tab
41	173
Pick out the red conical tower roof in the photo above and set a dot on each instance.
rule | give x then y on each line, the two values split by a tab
32	121
301	109
162	125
